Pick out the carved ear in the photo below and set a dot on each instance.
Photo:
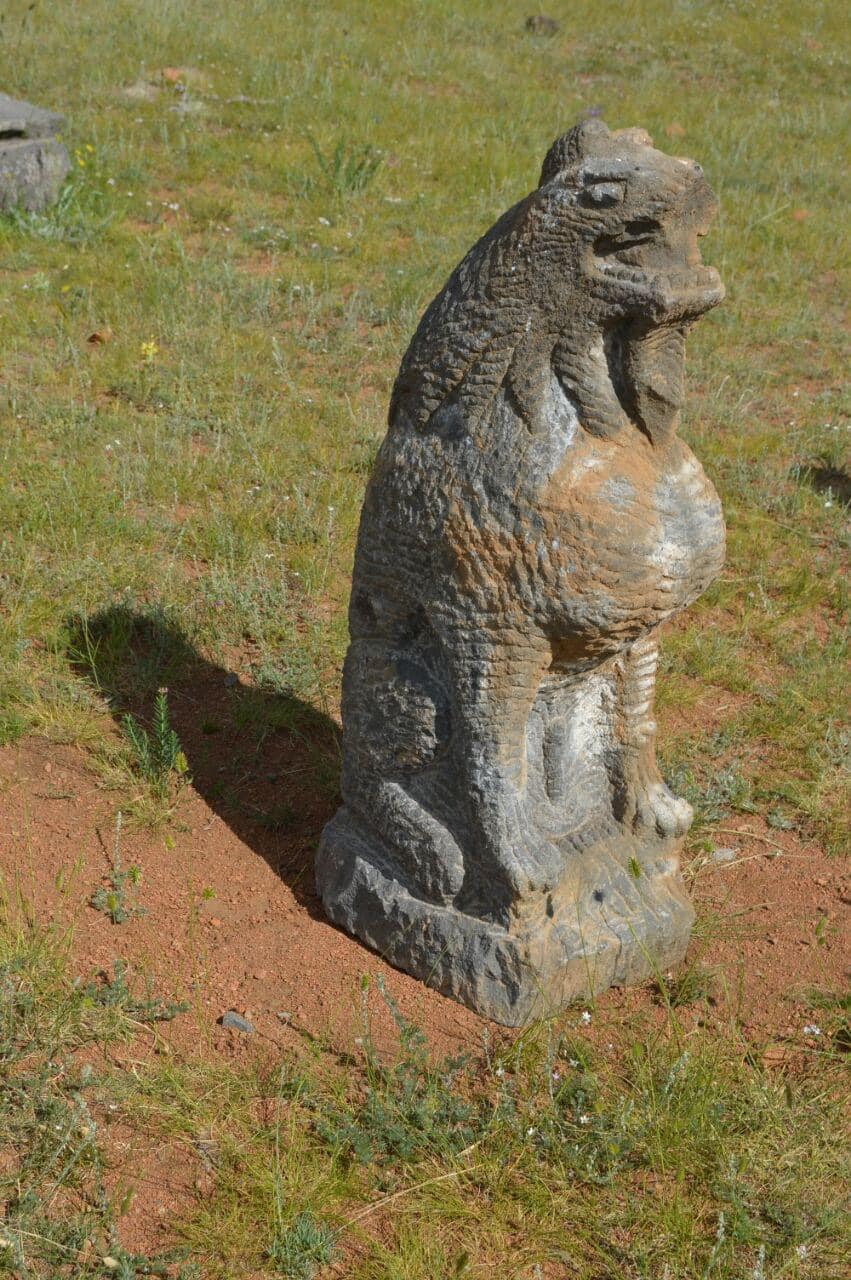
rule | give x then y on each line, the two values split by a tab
572	147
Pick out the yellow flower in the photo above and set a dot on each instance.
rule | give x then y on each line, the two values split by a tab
149	351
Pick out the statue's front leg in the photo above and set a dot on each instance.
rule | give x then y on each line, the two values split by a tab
643	800
495	688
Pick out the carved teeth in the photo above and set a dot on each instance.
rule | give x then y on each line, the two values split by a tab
669	291
677	281
633	275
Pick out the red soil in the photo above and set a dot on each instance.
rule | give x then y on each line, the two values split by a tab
232	920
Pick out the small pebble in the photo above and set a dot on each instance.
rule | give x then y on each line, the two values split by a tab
234	1022
723	854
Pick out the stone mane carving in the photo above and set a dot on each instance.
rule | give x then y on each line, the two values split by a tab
531	520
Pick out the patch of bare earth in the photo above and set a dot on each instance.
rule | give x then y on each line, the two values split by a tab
231	921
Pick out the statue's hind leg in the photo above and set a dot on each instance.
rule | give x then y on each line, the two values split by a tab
398	728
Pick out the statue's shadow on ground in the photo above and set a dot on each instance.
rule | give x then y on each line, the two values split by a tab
264	760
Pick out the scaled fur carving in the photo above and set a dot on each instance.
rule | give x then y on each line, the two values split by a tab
531	521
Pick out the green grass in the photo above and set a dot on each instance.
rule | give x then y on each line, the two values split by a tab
256	243
679	1151
252	247
59	1218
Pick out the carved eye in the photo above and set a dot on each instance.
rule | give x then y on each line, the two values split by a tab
604	194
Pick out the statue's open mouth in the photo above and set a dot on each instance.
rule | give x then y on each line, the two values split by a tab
681	293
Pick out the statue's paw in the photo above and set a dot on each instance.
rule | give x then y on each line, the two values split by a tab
661	811
534	868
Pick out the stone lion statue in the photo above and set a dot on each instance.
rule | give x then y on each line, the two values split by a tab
531	521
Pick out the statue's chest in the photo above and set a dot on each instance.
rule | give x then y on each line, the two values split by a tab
636	520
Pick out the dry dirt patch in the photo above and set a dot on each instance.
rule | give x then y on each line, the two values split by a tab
231	919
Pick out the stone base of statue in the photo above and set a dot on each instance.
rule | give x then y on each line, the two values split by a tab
625	930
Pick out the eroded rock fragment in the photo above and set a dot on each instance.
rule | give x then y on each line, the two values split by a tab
33	162
531	521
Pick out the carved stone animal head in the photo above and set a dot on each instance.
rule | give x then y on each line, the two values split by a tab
596	275
636	215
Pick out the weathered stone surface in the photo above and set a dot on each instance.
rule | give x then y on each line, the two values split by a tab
33	162
531	521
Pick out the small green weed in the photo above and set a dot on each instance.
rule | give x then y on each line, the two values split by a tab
831	1000
157	755
722	790
349	168
12	727
115	993
303	1247
836	1005
116	901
